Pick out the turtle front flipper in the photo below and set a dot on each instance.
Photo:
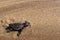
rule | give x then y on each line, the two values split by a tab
19	32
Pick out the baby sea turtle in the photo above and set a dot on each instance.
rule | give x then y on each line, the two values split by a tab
17	27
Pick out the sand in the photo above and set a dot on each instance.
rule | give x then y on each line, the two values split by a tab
44	16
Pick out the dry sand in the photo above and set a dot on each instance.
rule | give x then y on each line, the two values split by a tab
44	16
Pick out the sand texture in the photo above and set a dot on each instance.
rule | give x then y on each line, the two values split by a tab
44	16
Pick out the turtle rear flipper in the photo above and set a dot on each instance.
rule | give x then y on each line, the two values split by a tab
9	29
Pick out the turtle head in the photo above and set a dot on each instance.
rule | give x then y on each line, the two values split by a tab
27	23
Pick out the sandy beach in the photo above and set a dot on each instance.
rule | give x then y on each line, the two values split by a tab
44	16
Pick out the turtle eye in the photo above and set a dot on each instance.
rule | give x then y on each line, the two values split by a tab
28	23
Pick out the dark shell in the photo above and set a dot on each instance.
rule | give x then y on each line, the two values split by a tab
16	26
